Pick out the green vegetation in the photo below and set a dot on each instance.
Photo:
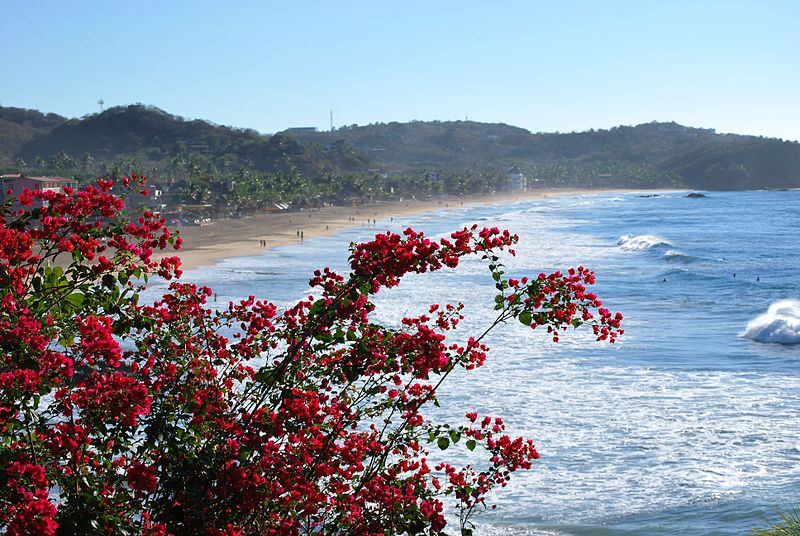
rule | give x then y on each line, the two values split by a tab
789	525
197	162
18	127
651	154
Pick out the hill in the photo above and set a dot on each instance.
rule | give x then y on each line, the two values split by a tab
405	156
156	139
445	145
19	126
650	153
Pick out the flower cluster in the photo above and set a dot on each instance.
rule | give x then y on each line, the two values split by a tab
178	418
29	511
559	301
390	256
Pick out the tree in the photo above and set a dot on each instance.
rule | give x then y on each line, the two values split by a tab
173	418
87	164
63	163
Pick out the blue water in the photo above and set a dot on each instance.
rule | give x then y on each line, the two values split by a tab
685	426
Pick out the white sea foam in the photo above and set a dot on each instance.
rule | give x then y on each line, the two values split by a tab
640	242
606	419
679	256
780	324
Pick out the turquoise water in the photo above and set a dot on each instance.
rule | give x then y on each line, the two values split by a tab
690	424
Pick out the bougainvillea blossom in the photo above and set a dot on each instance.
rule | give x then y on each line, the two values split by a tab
177	418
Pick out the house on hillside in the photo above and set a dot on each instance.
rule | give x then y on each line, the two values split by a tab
137	202
12	185
516	179
300	130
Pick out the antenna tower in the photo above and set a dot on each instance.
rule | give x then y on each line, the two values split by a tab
331	120
101	102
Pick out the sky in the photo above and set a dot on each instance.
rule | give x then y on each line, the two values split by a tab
542	65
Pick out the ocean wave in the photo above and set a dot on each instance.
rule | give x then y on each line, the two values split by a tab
780	324
640	242
678	256
246	271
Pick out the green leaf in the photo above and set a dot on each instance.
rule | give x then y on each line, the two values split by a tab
455	436
443	443
75	299
121	327
50	277
525	317
317	308
471	444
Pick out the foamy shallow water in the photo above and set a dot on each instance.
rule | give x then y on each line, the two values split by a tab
689	425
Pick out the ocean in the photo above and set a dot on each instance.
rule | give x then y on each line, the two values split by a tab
688	425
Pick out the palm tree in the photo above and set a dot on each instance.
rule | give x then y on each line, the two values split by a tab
87	164
789	525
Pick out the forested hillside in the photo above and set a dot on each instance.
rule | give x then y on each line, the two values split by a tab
646	154
418	157
151	139
19	126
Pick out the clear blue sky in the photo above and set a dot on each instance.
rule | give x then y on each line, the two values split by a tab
542	65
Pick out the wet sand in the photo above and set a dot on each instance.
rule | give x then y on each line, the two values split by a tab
204	245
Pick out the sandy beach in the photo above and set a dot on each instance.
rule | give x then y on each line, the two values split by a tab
204	245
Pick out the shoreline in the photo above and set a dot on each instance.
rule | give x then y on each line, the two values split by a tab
206	245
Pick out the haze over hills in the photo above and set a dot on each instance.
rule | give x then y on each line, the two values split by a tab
646	155
19	126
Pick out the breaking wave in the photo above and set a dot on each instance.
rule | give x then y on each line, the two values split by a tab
678	256
780	324
640	242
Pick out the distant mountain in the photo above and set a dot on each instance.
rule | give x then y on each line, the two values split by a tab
19	126
152	136
662	152
130	130
450	145
647	155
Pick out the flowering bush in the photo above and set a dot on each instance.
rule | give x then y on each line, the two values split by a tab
173	418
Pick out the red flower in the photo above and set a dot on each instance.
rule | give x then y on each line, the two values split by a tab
141	477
